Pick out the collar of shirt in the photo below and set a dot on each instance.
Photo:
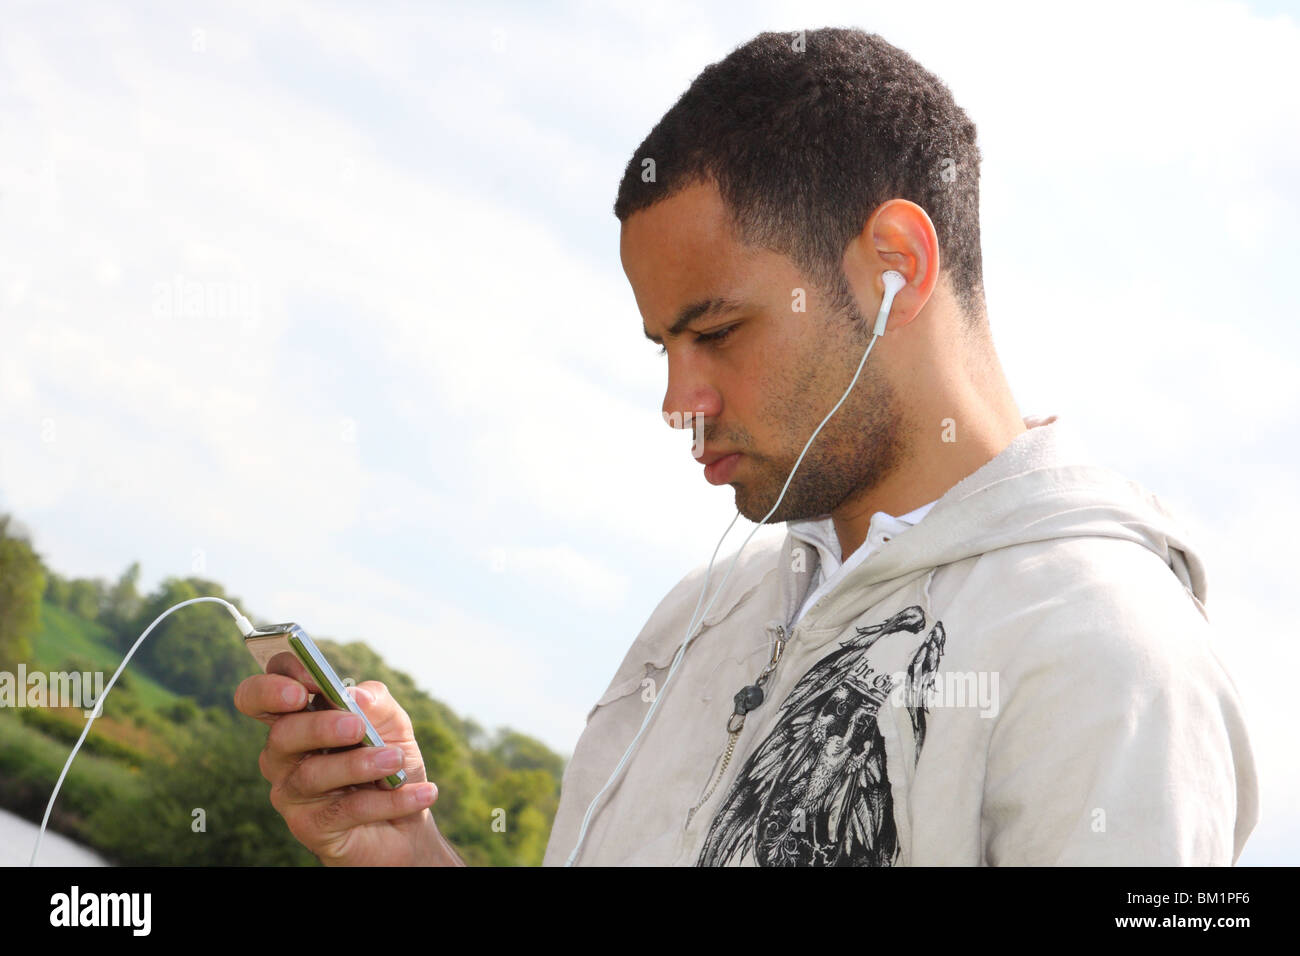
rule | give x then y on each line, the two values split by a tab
820	533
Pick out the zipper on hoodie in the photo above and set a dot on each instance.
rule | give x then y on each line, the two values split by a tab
746	699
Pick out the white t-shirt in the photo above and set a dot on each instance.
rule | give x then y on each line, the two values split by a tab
820	533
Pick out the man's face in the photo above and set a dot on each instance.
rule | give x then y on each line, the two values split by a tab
764	387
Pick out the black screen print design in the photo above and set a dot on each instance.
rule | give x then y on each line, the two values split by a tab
815	791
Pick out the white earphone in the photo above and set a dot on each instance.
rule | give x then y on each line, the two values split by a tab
893	282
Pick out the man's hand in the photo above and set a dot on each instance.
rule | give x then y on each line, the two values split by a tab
330	800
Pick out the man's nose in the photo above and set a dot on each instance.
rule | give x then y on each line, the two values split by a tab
690	407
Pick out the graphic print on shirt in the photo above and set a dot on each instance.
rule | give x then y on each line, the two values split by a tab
815	791
920	683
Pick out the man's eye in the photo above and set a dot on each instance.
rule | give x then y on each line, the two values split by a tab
717	336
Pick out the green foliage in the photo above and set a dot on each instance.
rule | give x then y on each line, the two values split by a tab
81	596
191	651
56	589
182	712
30	763
519	752
22	582
85	597
120	608
206	808
66	642
180	747
66	729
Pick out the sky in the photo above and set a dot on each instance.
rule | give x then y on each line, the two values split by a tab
323	302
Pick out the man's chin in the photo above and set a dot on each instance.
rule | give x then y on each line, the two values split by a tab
755	507
746	506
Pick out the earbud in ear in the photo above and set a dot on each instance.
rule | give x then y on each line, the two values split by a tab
894	281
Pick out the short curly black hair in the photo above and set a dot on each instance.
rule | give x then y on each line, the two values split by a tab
806	134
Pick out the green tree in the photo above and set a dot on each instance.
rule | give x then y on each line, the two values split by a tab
56	589
196	651
208	807
524	804
22	582
521	752
121	605
85	597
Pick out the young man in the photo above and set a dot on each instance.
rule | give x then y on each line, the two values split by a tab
973	646
988	650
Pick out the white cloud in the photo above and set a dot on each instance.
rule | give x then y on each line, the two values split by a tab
583	581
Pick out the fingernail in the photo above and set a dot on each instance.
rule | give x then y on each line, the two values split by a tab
292	696
424	794
389	759
348	726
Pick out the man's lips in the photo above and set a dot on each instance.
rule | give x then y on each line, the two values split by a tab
709	458
719	466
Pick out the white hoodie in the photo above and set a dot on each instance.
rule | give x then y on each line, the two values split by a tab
1024	677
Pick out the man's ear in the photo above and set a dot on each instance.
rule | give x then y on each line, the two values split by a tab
898	236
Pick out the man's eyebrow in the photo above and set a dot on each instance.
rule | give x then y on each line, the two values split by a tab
694	311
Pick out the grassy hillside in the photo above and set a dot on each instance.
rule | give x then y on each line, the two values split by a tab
66	642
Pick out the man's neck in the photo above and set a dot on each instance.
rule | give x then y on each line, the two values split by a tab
932	468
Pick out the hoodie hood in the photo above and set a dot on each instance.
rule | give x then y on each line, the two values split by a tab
1043	486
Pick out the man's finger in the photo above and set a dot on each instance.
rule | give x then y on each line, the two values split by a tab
321	773
267	695
296	734
347	810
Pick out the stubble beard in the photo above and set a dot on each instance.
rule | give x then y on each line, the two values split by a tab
863	442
